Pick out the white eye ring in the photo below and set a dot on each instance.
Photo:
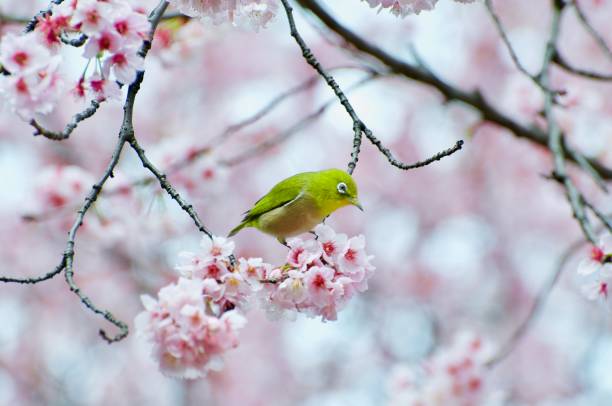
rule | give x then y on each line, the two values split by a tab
341	188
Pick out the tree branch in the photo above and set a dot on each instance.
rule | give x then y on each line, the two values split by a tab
564	64
126	133
424	76
70	127
504	36
596	36
359	126
555	137
58	269
69	253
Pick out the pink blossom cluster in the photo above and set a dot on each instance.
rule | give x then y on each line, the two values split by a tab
33	84
253	14
597	270
321	275
405	7
113	32
453	376
195	320
188	338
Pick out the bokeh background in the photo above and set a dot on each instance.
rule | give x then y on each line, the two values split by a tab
464	244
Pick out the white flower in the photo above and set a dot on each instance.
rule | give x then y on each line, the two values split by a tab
23	53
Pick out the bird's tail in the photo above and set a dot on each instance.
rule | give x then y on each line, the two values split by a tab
236	229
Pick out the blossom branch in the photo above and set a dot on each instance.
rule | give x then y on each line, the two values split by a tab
449	92
536	307
234	128
359	126
70	127
126	133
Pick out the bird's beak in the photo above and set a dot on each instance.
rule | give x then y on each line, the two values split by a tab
355	202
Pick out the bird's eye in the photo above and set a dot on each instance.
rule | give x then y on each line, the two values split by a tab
341	188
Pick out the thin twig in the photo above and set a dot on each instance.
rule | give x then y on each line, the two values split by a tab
502	33
606	220
564	64
555	137
474	99
536	307
419	164
58	269
596	35
312	61
359	126
586	166
69	253
70	127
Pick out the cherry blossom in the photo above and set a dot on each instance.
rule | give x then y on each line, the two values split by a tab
35	91
254	270
102	89
132	26
303	252
34	83
92	16
316	283
124	63
107	40
403	8
252	14
23	53
599	258
454	375
187	341
333	244
596	271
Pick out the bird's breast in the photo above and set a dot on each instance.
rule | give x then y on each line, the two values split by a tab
297	217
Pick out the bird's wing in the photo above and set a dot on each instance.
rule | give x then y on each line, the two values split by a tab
283	193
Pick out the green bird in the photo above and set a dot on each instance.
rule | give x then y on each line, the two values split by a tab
297	204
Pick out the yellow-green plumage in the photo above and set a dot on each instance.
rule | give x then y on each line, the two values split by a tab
300	202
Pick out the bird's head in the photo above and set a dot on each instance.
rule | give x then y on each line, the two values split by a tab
340	189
